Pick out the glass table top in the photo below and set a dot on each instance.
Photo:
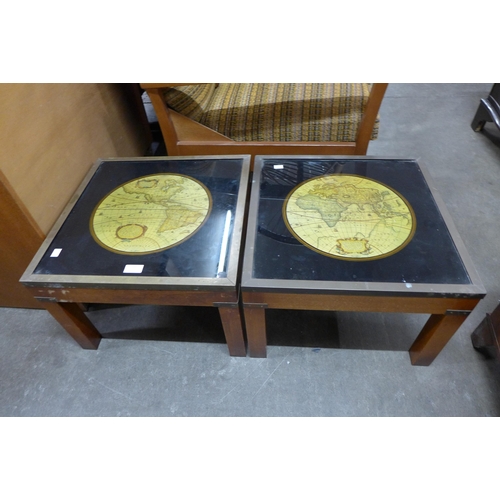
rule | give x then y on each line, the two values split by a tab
356	220
169	217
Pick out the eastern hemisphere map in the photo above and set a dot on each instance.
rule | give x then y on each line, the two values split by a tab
349	217
150	214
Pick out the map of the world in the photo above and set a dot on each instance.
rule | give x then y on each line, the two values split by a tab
349	217
150	214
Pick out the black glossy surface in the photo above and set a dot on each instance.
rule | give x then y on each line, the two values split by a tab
198	256
430	257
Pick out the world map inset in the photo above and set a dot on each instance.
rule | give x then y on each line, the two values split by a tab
150	214
349	217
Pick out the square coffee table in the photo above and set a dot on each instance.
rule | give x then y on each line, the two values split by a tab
156	231
352	233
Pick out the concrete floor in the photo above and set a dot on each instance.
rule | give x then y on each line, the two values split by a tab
331	364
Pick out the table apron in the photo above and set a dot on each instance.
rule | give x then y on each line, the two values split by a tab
334	302
149	297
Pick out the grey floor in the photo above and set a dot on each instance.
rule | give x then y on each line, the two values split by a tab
335	364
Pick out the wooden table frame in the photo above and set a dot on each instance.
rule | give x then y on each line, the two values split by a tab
64	305
448	305
62	295
446	316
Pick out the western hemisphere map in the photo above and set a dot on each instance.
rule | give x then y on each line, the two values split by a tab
150	214
349	217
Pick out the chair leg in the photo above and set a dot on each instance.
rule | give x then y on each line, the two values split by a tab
482	116
488	110
484	340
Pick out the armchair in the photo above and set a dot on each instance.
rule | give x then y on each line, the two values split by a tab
278	118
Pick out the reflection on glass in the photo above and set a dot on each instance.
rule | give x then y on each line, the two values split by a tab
225	239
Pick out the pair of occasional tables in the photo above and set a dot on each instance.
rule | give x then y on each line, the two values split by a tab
365	234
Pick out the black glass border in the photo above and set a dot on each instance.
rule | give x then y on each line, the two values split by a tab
222	282
473	288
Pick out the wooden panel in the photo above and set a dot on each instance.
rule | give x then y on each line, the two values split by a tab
265	148
19	241
51	134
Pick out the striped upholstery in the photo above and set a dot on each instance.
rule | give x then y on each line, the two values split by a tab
281	112
190	100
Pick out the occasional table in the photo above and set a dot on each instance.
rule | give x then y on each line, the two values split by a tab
361	234
156	231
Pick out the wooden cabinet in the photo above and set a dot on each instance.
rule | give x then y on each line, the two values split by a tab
50	136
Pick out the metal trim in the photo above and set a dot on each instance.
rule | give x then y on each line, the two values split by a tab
456	312
232	305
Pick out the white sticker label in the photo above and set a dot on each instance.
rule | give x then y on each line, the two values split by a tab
56	252
277	167
133	268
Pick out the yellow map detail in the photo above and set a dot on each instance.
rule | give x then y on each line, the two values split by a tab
150	213
349	217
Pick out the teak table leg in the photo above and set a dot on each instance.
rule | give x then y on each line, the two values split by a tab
71	317
233	330
255	320
434	336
